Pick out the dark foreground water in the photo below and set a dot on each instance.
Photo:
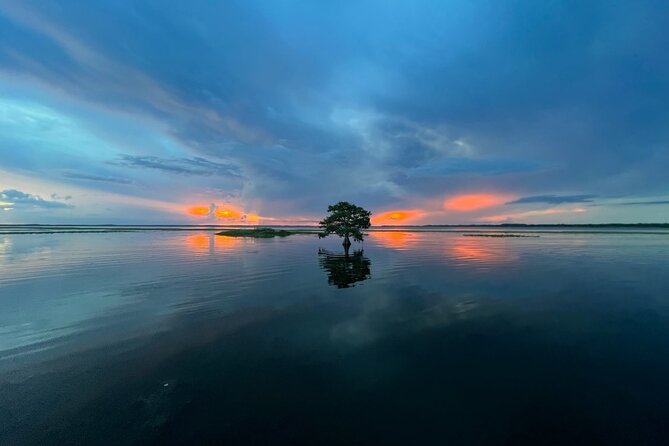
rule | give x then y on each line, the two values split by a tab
425	338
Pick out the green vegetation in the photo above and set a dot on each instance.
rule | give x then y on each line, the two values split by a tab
345	220
261	232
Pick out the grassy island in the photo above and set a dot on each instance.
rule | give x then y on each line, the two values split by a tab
261	232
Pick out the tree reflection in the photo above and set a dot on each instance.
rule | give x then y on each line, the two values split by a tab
344	269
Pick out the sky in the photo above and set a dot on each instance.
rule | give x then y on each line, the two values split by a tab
266	112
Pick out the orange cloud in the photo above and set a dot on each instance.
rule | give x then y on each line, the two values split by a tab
235	214
198	211
227	213
399	217
473	202
213	210
252	219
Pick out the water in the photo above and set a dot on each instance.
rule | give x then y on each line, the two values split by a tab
184	337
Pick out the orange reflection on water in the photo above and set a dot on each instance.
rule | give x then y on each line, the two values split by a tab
209	242
480	250
394	239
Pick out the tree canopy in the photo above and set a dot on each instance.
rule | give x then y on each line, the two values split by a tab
345	220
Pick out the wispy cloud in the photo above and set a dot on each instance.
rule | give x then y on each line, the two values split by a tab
643	203
554	199
182	166
89	177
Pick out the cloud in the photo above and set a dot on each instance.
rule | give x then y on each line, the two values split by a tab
12	198
554	199
473	202
89	177
523	216
394	105
181	166
643	203
225	212
397	217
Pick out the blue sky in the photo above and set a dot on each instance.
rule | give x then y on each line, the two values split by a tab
267	111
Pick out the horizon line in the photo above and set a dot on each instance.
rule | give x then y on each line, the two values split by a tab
316	226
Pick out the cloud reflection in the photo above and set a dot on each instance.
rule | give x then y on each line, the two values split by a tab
394	239
199	243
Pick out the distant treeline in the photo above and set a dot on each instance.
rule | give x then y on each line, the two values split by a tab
583	225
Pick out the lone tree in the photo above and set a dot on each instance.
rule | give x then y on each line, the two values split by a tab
346	220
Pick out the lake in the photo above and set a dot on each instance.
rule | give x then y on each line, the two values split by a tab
185	337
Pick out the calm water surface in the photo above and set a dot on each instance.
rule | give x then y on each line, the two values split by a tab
423	338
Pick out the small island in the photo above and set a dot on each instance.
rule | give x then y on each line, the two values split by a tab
262	232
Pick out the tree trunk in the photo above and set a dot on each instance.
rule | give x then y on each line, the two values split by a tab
347	241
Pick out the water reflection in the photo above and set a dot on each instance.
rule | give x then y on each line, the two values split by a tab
481	250
155	337
209	242
345	269
394	239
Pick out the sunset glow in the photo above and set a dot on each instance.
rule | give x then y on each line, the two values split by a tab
209	242
199	211
227	213
252	219
473	202
305	222
397	217
394	239
214	211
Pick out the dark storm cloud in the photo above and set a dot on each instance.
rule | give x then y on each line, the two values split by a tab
554	199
